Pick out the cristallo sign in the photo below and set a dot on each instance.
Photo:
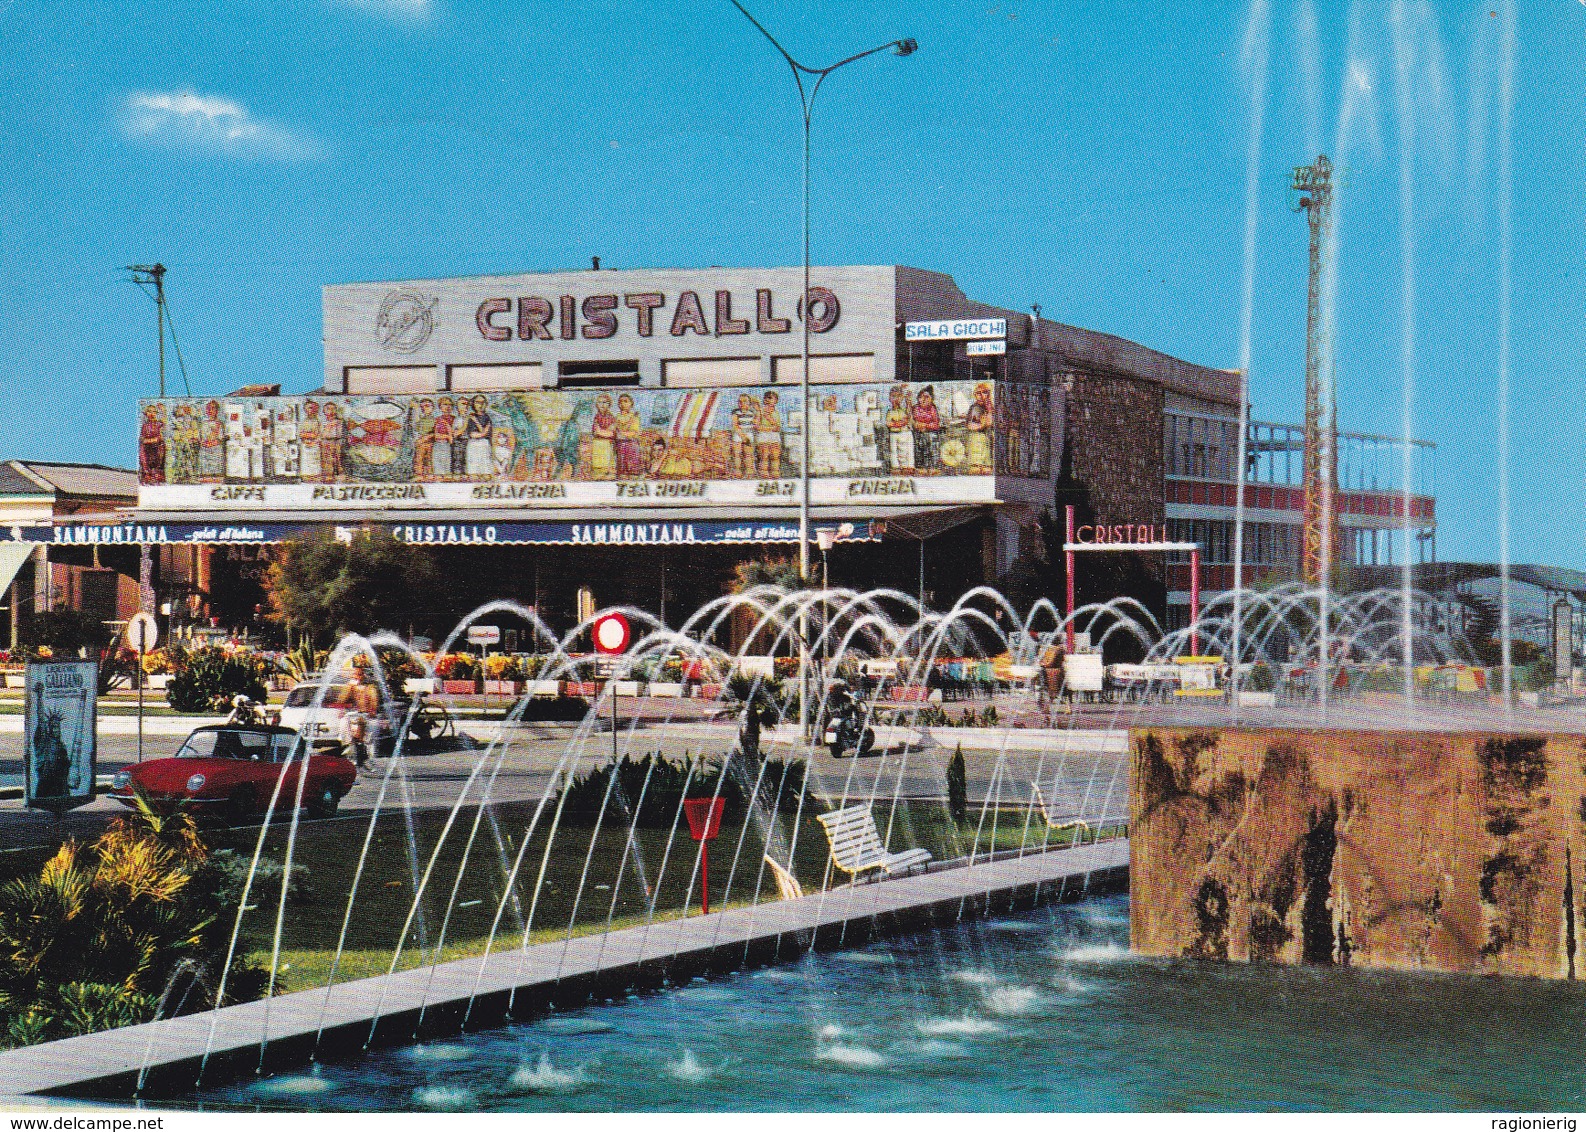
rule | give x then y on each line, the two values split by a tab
534	317
1134	533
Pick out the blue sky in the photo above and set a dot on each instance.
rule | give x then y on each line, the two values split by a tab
1087	157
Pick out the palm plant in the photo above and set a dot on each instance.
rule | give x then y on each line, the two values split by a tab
104	930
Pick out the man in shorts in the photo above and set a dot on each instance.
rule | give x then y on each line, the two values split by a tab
358	724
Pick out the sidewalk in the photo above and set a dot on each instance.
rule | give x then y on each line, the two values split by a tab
128	724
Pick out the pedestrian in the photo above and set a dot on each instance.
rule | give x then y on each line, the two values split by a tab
359	723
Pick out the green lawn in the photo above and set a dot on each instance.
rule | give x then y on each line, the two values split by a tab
403	847
399	853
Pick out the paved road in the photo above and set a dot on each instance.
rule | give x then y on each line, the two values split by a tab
1078	770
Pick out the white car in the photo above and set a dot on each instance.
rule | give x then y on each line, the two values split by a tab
326	725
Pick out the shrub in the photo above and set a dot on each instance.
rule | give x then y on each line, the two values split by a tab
397	665
1380	680
457	666
1260	679
104	930
503	666
63	632
781	785
212	677
304	660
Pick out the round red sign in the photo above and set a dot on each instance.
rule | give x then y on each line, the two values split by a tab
612	634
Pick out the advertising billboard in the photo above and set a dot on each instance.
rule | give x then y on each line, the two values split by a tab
59	738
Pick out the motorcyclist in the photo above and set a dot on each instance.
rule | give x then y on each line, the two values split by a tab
244	712
847	722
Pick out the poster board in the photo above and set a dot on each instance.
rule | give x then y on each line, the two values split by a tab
60	733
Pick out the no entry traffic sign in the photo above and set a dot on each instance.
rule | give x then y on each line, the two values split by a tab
612	634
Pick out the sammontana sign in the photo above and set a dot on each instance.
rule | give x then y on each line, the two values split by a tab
604	533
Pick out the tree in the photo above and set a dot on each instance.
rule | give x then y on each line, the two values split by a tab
782	572
761	703
64	632
322	585
957	786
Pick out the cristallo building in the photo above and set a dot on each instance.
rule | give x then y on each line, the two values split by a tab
638	434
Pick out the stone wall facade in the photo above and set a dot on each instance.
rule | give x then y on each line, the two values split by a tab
1115	430
1454	852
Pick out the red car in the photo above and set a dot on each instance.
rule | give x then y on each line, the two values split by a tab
233	769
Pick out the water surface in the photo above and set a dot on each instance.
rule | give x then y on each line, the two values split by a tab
1042	1011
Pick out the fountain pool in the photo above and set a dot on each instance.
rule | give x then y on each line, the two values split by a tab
1042	1011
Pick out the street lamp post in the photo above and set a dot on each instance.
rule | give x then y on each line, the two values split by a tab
807	103
826	537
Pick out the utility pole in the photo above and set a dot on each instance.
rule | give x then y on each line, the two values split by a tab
1314	186
154	275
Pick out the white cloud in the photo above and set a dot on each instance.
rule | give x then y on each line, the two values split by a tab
214	124
404	11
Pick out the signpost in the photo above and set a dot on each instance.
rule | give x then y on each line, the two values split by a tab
483	635
60	734
143	632
612	634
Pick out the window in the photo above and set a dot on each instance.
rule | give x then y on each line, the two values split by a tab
589	374
696	373
199	745
518	375
826	369
389	379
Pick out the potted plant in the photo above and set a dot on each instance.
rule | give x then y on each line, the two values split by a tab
503	675
458	674
666	677
157	668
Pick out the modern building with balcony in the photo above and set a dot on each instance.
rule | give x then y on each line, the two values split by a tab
1371	499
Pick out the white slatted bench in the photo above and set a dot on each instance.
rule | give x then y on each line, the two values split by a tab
787	885
856	844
